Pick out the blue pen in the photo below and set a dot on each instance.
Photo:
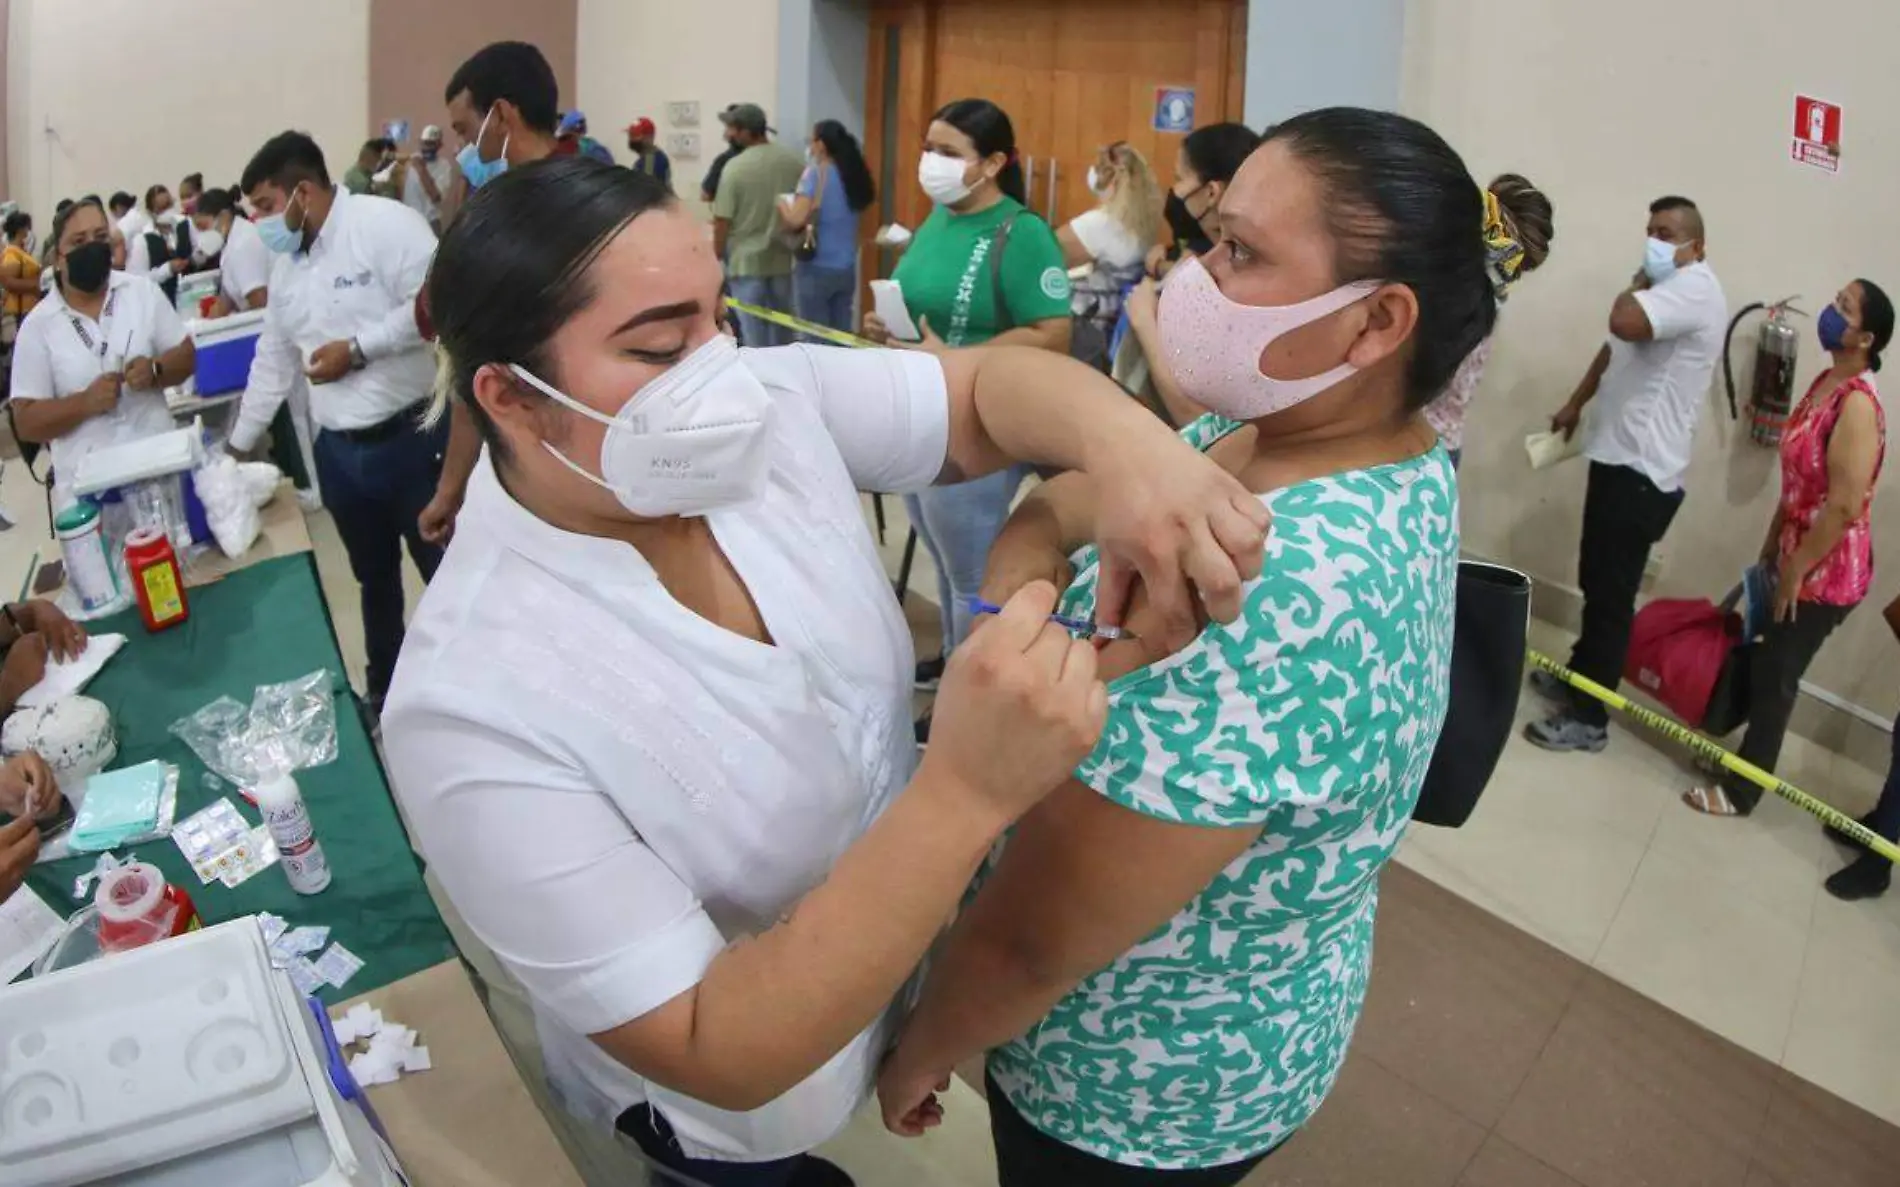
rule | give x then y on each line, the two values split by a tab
1080	626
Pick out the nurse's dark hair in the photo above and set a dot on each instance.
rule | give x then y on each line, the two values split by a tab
511	70
286	159
1876	318
120	201
1403	209
989	129
512	268
153	191
16	222
1217	152
63	217
214	202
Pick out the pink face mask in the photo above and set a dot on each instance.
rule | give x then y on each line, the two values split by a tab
1215	345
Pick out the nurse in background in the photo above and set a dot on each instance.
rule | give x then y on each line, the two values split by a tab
652	724
93	359
243	260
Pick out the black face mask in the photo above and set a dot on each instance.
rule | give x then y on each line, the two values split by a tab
1183	226
88	266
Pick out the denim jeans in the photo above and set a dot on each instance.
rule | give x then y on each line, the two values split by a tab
824	295
766	292
958	524
376	491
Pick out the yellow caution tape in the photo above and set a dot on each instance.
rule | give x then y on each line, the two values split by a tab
1833	817
835	337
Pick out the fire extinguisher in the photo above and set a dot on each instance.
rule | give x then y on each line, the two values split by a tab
1771	390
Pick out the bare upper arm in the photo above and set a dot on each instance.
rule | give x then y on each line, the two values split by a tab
1073	253
1083	879
1629	321
1853	451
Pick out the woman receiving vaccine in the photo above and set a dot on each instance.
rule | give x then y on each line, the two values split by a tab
1167	962
651	724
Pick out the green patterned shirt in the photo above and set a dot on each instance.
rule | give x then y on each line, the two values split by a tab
1313	719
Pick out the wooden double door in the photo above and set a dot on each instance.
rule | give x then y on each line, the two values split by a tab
1073	75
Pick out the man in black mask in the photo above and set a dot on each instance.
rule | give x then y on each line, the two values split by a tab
709	188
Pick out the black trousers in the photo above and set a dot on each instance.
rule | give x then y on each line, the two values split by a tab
1624	516
1886	815
376	490
1028	1157
674	1169
1776	664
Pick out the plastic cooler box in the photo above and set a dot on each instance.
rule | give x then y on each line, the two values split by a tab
226	346
186	1062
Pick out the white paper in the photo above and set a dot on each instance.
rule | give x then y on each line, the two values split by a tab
416	1059
888	299
895	235
338	965
28	928
1548	449
65	678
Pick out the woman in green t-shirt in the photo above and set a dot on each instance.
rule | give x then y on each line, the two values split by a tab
981	269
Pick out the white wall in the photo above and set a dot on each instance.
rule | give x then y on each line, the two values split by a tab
636	57
1606	106
137	92
1303	54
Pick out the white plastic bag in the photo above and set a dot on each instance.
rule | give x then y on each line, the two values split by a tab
261	479
229	507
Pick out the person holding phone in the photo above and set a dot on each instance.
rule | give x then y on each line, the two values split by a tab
93	360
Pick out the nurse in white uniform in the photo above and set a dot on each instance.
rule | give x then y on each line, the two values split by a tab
244	263
93	359
651	724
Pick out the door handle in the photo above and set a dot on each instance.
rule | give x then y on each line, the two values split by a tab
1050	216
1029	182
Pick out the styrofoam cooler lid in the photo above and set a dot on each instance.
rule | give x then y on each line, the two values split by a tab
212	331
146	1056
136	461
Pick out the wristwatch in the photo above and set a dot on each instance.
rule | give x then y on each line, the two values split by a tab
358	360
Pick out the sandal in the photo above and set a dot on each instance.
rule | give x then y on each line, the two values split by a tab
1711	800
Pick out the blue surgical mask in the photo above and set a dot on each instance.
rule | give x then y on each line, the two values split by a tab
276	232
1832	326
1659	260
478	171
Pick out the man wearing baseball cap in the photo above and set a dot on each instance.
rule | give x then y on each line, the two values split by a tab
571	137
709	186
648	157
746	223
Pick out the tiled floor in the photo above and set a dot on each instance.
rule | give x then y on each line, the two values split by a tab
1526	1026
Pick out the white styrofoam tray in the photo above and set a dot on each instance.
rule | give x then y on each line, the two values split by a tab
213	330
142	1057
136	461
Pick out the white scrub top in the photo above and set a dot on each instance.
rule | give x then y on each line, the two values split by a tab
60	352
612	789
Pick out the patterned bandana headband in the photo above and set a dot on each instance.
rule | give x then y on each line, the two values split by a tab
1503	254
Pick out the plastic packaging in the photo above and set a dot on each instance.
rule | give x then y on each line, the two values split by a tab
289	822
82	544
288	727
126	807
229	492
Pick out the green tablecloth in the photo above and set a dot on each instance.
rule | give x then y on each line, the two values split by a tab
263	625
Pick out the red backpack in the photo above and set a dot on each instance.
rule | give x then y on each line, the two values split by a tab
1678	647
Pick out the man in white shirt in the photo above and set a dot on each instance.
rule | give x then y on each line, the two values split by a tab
1649	382
342	293
426	178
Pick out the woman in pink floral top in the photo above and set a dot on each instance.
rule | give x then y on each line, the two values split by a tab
1820	540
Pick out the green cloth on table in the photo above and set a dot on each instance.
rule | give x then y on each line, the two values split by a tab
263	625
